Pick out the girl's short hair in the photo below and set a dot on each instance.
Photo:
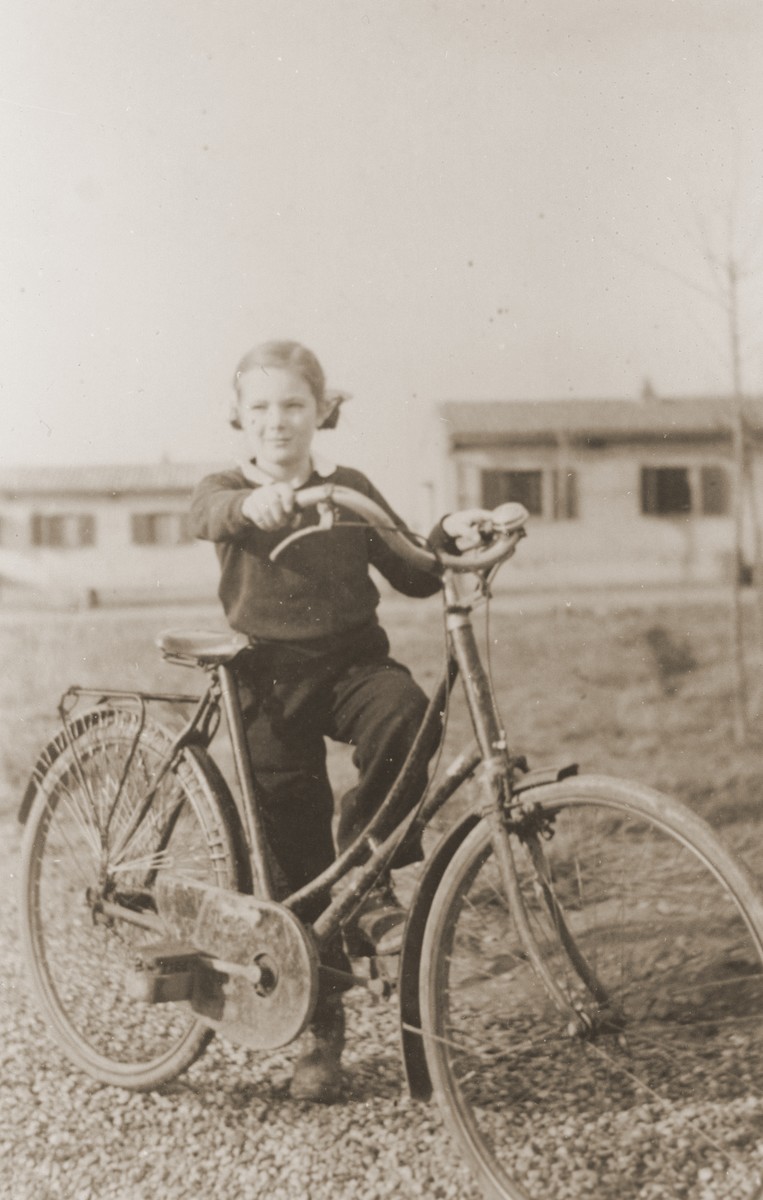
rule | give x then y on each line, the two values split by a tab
295	357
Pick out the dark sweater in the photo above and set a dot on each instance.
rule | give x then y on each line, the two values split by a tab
320	587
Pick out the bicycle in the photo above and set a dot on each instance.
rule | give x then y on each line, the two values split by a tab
580	985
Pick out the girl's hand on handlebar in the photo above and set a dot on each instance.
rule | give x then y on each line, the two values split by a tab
465	528
270	507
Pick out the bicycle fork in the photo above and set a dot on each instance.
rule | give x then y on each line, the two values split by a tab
495	802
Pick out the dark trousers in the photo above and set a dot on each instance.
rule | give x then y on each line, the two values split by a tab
294	697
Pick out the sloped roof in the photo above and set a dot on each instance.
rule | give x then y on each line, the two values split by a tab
103	479
479	419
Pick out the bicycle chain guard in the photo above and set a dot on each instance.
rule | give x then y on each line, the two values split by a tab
248	967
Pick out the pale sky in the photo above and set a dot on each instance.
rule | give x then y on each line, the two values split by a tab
443	198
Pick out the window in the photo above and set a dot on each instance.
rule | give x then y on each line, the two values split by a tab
715	491
665	491
63	530
674	490
526	487
161	529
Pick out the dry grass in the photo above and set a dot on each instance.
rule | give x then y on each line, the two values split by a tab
639	692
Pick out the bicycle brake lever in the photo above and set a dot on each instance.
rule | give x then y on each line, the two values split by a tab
278	550
327	516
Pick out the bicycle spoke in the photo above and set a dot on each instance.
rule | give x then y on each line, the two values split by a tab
76	882
72	804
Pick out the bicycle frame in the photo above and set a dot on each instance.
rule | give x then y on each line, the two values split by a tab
375	847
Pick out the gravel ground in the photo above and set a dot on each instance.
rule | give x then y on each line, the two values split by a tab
226	1129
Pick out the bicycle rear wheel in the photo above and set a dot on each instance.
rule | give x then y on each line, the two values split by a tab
650	1085
82	847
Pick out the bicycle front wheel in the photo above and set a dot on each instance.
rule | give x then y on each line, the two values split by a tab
648	1081
86	858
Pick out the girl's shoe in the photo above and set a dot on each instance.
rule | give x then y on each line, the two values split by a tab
377	928
317	1073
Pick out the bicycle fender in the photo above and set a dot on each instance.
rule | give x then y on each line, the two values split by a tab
414	1060
46	758
537	776
48	755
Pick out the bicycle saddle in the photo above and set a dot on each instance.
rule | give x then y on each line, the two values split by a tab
206	647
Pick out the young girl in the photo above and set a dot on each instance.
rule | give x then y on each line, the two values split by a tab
319	662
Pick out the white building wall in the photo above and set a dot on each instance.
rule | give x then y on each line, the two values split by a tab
114	567
610	541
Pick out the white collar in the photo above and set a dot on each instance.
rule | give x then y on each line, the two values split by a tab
253	474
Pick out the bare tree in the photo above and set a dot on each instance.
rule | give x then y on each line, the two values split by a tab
727	270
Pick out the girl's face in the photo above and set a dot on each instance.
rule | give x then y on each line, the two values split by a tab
279	416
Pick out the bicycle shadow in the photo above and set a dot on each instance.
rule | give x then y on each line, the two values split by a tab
366	1078
373	1077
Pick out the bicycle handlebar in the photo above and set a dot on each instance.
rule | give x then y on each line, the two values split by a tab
501	533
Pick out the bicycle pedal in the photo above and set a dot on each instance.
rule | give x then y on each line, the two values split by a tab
378	979
384	973
163	972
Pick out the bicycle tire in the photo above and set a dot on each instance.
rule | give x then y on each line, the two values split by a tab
656	1093
71	853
